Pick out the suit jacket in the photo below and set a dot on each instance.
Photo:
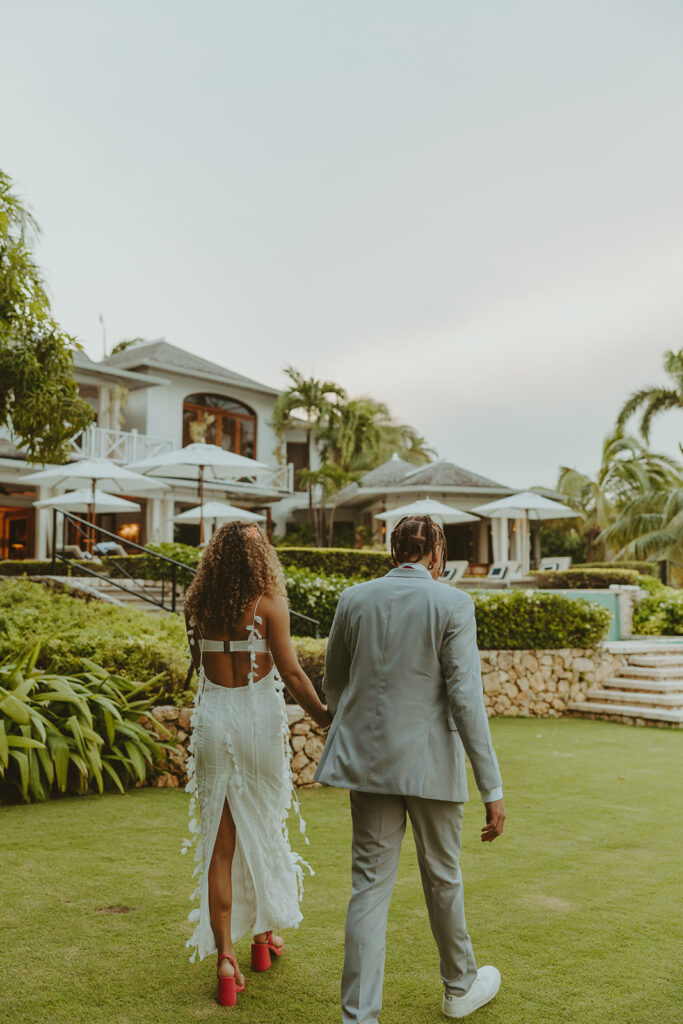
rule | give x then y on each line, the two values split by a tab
403	679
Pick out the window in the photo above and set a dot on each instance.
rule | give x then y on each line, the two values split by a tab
222	421
297	454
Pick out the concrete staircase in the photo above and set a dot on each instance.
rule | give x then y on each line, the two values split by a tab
648	689
103	590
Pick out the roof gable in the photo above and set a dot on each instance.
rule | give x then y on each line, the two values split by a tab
160	355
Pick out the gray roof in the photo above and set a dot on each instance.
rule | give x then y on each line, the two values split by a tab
8	450
391	472
103	370
160	355
447	474
397	472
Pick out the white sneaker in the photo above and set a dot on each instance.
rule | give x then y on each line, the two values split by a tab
482	991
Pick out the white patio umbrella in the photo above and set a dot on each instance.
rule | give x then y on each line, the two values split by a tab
109	476
86	499
437	510
218	512
193	461
525	506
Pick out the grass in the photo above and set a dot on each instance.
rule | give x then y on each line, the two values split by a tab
576	903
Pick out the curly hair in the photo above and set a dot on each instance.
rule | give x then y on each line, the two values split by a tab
237	566
415	536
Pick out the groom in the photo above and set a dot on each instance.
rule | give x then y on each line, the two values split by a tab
403	679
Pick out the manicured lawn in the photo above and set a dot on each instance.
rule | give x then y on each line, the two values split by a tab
577	903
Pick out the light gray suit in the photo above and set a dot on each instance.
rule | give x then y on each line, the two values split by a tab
403	678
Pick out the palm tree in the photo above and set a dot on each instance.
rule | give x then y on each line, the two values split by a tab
651	526
655	400
628	470
393	437
311	398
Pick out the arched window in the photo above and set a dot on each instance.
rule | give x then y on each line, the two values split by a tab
229	423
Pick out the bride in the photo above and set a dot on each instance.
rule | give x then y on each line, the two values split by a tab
239	776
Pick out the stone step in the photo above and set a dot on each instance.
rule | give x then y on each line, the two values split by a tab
675	716
666	672
648	685
656	660
672	700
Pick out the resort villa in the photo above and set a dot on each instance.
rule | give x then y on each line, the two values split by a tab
146	399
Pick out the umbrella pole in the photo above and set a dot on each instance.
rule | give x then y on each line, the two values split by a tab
91	517
201	505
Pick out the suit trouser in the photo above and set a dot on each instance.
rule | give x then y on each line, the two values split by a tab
379	823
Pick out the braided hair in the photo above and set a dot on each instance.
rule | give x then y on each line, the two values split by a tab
413	537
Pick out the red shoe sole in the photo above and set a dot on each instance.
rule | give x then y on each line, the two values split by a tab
227	992
260	956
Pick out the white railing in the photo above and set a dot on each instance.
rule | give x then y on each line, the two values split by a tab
283	478
119	445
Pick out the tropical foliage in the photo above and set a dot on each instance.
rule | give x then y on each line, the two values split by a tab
654	400
39	398
349	437
628	471
70	733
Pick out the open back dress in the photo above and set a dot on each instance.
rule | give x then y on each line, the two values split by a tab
239	755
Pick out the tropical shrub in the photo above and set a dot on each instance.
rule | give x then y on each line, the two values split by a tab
586	579
43	567
364	564
71	733
527	620
311	654
126	641
644	568
145	567
659	614
315	596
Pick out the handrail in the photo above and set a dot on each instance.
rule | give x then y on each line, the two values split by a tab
84	524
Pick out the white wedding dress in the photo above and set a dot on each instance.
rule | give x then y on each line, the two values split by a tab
239	754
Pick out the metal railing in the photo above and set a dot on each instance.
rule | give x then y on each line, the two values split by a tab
169	570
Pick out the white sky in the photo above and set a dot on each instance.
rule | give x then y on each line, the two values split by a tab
471	211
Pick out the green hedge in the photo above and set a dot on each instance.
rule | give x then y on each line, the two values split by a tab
43	567
126	641
364	564
527	620
660	614
315	596
586	579
644	568
145	567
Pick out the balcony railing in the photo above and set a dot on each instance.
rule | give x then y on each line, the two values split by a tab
119	445
126	446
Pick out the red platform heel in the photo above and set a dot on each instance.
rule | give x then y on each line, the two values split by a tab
262	953
227	986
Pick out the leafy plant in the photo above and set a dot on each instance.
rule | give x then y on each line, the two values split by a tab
366	564
125	641
659	614
527	620
62	733
587	579
315	595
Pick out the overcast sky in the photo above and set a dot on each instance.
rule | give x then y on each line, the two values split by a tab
469	210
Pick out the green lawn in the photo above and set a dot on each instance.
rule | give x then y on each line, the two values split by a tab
578	904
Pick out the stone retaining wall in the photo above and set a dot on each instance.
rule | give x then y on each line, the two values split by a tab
516	683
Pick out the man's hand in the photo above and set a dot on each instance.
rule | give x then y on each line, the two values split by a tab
495	819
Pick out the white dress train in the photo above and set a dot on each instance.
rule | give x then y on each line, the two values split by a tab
239	754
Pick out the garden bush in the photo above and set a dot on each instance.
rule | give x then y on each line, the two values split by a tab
363	564
71	733
43	567
315	596
527	620
147	568
659	614
644	568
586	579
126	641
311	655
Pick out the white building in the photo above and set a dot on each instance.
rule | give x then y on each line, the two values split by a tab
145	399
